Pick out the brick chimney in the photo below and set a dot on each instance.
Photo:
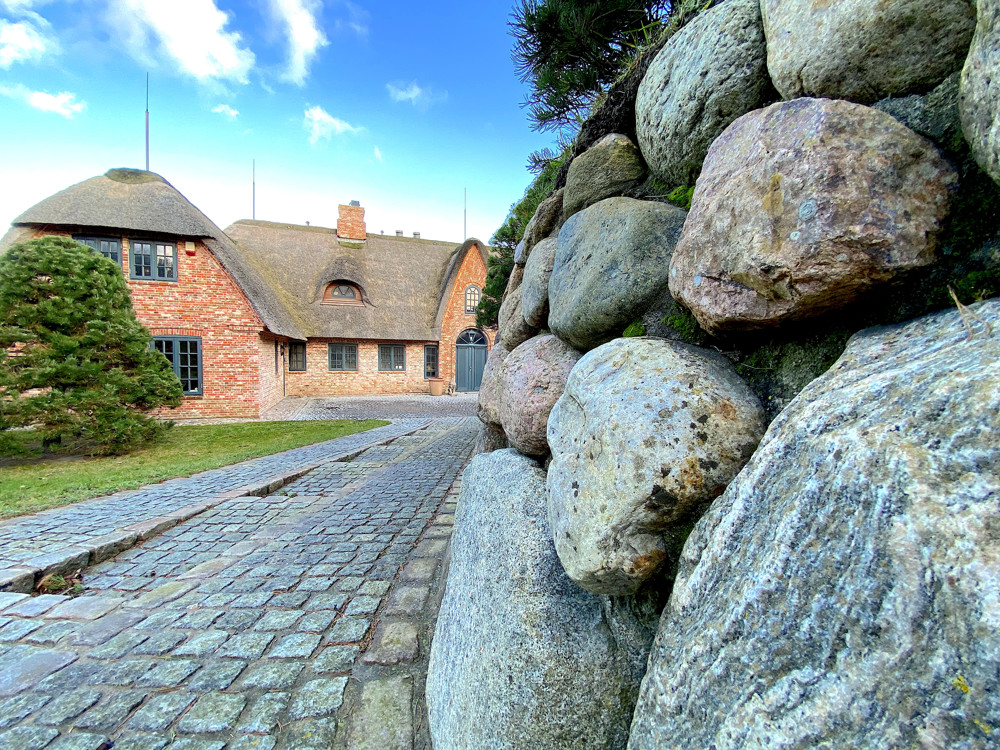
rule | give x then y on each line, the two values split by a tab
351	222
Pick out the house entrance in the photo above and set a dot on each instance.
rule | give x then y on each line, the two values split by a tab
470	359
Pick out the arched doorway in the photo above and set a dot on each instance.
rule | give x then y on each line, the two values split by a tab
470	359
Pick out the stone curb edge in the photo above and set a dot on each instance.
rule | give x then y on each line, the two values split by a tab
24	578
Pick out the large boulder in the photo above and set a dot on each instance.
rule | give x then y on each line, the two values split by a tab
535	287
522	658
647	432
709	73
544	223
843	591
611	262
488	403
608	168
801	208
513	328
532	380
863	50
980	90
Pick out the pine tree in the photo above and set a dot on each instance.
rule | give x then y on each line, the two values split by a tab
75	363
569	51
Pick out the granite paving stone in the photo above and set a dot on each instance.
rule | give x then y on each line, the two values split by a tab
202	644
14	709
110	713
68	706
318	698
336	658
295	646
217	675
348	630
383	719
263	713
394	642
213	712
23	667
81	741
27	738
272	674
160	711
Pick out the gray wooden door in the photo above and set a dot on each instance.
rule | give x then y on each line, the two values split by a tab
470	359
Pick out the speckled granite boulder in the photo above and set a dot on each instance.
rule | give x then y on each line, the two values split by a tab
611	262
514	330
980	90
801	208
544	223
608	168
862	50
843	592
531	381
522	658
647	431
708	74
513	282
535	287
488	403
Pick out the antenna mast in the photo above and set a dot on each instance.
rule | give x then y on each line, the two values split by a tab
253	195
147	122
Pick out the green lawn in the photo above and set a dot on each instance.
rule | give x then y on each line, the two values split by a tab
31	485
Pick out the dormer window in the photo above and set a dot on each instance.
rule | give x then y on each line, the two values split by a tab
342	293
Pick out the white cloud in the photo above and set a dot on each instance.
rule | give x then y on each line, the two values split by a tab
227	111
20	42
192	33
419	97
378	154
64	103
305	38
321	124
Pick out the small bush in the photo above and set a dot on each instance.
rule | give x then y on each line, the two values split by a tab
75	363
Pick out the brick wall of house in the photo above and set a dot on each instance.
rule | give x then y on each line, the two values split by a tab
318	380
271	375
456	320
204	302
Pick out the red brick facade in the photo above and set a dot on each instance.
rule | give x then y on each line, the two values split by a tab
456	319
245	367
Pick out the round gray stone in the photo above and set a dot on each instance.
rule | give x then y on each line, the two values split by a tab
647	431
980	90
708	74
535	287
608	168
611	263
862	50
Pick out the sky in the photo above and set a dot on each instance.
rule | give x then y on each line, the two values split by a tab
405	107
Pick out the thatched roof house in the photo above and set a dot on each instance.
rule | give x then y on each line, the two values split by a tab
403	281
265	309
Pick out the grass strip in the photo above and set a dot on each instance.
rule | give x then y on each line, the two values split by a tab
33	484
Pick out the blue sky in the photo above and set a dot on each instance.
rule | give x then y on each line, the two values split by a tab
399	105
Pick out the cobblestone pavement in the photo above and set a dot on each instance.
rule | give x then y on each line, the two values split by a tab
86	532
378	407
297	620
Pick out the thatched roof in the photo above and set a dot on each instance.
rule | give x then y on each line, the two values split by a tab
404	281
138	201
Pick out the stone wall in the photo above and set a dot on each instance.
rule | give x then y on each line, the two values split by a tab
796	505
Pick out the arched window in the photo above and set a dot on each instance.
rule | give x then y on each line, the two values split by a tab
471	337
471	299
342	293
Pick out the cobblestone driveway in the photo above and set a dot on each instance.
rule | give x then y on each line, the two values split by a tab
297	620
